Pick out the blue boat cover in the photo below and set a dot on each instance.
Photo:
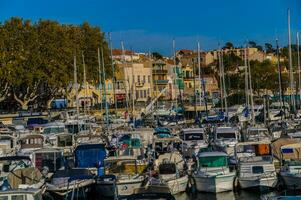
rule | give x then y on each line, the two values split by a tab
89	155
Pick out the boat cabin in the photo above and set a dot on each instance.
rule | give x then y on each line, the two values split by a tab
194	139
122	165
226	134
207	160
48	157
53	128
162	132
254	151
32	141
21	194
257	134
8	145
167	145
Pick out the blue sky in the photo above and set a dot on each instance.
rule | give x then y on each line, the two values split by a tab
151	25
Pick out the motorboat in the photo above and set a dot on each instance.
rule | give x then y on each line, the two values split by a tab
291	166
255	165
120	179
257	134
194	139
213	173
71	183
170	167
225	139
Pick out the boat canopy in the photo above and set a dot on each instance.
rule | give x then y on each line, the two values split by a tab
291	152
89	155
162	132
213	159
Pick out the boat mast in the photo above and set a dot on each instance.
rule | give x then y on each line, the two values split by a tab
220	80
246	79
175	69
202	81
224	86
290	60
76	88
279	76
100	80
104	86
126	75
113	72
199	73
298	63
133	85
85	85
250	89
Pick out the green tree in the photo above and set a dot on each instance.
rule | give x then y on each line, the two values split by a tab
228	45
37	59
269	48
157	56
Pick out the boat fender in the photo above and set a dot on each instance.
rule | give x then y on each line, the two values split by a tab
236	184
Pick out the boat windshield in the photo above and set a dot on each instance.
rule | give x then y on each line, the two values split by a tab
64	141
121	167
167	168
258	132
53	130
226	136
213	161
193	136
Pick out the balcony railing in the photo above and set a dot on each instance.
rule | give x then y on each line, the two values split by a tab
139	84
159	71
160	82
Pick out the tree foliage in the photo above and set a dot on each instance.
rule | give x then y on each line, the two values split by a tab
36	59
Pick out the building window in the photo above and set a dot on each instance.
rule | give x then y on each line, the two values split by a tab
144	93
110	86
141	93
137	94
138	78
144	79
148	77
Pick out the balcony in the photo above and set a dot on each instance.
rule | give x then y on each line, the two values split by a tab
139	84
159	71
160	82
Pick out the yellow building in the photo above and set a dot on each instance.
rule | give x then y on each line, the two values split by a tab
160	78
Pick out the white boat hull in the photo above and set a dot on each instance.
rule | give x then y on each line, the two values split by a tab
178	185
215	184
63	190
292	181
123	188
258	182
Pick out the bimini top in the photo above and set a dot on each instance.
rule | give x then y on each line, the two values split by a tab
292	146
161	130
113	158
211	154
193	130
257	129
253	143
226	129
90	146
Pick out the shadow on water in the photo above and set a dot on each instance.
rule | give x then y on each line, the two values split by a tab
241	195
